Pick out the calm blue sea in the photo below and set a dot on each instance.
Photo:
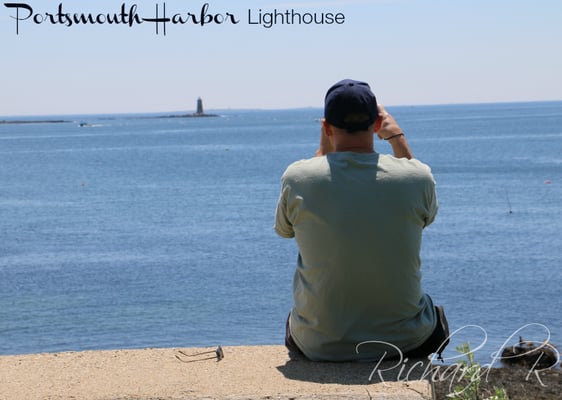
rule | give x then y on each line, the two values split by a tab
136	232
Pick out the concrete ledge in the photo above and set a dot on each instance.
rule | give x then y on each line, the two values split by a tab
245	372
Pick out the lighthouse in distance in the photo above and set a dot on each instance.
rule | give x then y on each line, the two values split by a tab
198	113
199	107
199	110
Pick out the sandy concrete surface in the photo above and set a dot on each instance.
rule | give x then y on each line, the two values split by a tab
245	372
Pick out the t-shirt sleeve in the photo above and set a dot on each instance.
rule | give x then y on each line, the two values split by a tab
432	203
283	226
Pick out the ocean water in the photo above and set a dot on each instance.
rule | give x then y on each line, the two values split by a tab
136	232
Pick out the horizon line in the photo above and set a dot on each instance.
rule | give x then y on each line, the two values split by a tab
235	109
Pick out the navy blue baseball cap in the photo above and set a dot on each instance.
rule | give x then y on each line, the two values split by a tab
350	105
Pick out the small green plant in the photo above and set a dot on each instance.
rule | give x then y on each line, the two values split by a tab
472	376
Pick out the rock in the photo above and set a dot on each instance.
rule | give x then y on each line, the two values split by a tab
528	354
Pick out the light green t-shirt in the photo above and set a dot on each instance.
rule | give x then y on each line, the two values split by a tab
357	219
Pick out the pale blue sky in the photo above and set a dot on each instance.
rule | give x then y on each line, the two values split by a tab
410	51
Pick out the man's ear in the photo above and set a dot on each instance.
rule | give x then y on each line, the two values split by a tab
378	123
327	128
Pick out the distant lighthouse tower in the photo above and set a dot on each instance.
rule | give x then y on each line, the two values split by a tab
199	107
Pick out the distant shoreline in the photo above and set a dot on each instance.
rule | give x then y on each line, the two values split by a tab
63	121
195	115
44	121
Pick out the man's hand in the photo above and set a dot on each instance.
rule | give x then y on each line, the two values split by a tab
391	131
389	126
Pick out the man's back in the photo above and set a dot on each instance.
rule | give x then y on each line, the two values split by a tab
358	220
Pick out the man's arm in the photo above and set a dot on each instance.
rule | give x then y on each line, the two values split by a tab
391	131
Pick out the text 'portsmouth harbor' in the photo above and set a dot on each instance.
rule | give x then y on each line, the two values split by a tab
162	17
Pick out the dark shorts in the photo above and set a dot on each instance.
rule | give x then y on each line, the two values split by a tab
290	342
436	343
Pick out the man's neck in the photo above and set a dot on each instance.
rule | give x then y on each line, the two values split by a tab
355	148
359	143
